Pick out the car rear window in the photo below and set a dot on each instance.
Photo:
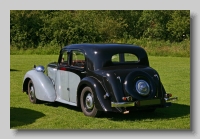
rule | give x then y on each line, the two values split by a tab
124	58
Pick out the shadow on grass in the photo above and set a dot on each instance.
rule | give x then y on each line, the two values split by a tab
58	104
174	111
14	70
23	116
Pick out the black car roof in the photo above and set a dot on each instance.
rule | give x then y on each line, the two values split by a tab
100	53
100	46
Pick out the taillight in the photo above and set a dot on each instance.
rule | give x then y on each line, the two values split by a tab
168	95
129	98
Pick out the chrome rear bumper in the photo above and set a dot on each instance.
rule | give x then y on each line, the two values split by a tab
136	103
122	104
150	102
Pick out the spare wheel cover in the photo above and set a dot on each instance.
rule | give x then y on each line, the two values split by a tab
130	84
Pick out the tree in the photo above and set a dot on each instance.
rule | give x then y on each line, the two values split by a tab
179	25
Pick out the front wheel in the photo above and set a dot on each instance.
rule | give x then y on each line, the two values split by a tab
87	103
31	92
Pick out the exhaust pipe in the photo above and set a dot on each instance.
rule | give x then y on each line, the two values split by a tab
126	112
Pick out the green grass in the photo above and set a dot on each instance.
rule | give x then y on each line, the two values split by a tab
161	48
153	48
174	73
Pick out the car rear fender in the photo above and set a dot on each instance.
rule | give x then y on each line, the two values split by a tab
99	92
44	88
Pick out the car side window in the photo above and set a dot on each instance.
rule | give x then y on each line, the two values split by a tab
64	60
115	58
78	59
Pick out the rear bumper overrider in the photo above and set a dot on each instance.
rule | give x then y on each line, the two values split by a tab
171	99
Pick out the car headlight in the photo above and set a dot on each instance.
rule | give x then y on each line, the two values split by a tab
40	68
142	87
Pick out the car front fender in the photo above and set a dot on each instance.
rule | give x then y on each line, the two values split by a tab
44	88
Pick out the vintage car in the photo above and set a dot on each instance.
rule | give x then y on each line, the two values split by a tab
99	78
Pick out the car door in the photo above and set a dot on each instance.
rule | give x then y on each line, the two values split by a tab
70	71
62	83
76	72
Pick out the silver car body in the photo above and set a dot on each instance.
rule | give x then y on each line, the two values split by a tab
60	86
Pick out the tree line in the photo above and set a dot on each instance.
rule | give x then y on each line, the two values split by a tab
34	28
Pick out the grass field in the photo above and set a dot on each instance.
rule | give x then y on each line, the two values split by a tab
174	73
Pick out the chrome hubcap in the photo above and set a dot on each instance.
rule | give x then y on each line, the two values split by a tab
142	87
89	101
32	92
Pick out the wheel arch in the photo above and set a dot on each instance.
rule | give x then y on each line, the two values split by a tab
99	92
80	88
25	85
44	88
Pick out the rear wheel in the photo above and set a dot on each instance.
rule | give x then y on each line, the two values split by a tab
31	92
87	102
